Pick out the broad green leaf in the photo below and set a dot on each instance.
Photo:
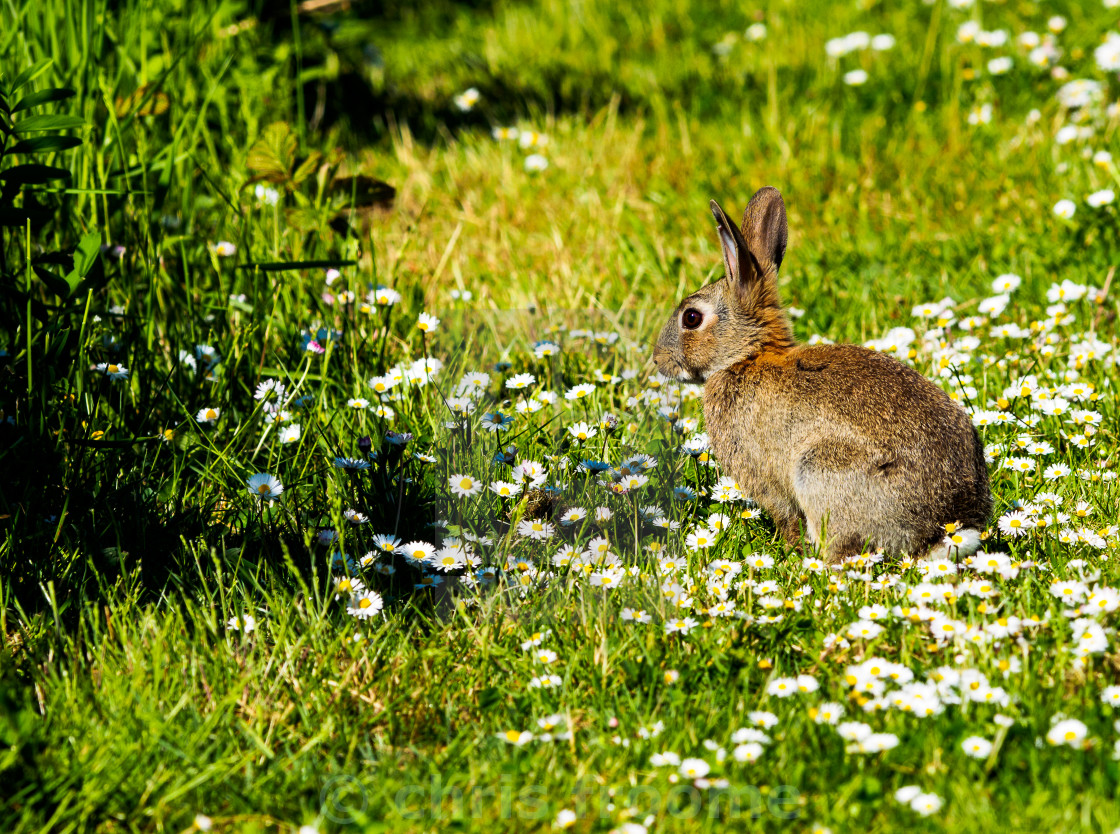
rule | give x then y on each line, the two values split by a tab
273	155
55	283
32	72
48	121
307	167
45	144
42	97
33	174
304	219
87	252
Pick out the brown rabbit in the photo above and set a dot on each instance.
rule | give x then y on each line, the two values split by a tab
846	445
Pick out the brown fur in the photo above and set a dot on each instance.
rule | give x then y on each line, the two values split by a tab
848	446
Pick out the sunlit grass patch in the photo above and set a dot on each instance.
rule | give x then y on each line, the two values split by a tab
340	490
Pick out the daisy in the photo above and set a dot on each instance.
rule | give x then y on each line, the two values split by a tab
782	687
474	381
1016	523
683	625
518	738
520	381
1065	209
573	515
397	438
1056	471
864	629
638	616
427	322
1000	65
606	579
447	558
580	391
365	605
386	542
700	539
1068	731
208	415
926	804
417	553
976	747
428	580
290	434
113	371
348	585
807	683
828	713
536	529
582	431
243	622
758	561
269	389
749	753
384	296
496	421
266	487
351	463
467	99
962	542
631	482
694	768
505	489
207	355
464	486
382	384
532	139
545	682
1101	198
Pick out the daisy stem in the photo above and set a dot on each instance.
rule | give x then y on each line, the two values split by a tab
384	336
634	497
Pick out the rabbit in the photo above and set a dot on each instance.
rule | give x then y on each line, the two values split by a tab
844	447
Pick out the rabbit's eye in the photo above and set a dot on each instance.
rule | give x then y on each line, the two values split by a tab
692	319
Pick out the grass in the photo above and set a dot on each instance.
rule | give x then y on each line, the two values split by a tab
135	698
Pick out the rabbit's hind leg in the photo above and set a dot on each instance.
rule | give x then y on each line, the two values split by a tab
847	509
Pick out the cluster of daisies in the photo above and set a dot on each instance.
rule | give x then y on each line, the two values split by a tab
543	485
529	140
1043	424
667	539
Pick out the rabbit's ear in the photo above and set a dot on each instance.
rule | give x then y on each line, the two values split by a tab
765	230
731	241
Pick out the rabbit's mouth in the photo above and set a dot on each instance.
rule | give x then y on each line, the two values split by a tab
671	366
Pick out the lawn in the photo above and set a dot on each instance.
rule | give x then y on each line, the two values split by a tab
341	493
